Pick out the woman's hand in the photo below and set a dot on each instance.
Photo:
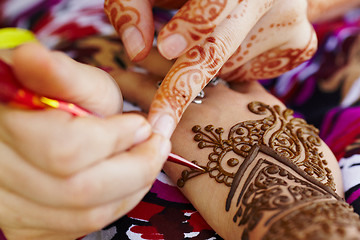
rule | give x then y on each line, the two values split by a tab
61	176
268	125
245	39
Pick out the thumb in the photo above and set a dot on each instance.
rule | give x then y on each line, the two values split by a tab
133	21
55	75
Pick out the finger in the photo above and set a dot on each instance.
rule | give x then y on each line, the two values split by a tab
193	70
191	25
275	46
133	20
48	222
55	75
59	144
274	62
120	175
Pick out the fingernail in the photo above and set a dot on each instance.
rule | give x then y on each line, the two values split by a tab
165	148
133	41
164	125
172	46
142	133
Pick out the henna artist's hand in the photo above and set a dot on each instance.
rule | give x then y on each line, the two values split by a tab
245	39
288	200
62	176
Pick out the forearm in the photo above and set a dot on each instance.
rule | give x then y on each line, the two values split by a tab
261	173
321	10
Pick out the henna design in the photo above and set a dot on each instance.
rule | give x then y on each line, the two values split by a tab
274	185
276	190
186	77
196	16
121	15
269	64
291	137
330	220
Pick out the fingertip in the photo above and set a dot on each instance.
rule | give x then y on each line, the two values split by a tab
163	124
142	133
172	46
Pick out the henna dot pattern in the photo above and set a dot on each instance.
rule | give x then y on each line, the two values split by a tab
290	137
280	187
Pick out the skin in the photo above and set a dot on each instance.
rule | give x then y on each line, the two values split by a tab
51	185
234	37
244	40
322	10
222	107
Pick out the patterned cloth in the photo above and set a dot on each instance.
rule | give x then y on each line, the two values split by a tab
325	91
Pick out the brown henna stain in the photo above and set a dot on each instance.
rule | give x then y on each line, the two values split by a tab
200	65
269	64
330	220
275	191
198	15
121	15
291	137
273	184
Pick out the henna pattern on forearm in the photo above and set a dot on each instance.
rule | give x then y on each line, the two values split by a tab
325	220
280	187
120	14
290	137
274	194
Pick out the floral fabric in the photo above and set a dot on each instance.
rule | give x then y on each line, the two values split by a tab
325	91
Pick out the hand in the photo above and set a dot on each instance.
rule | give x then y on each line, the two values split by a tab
225	107
61	176
245	39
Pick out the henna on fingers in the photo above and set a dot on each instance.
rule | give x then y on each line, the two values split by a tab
187	77
135	29
121	15
198	18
